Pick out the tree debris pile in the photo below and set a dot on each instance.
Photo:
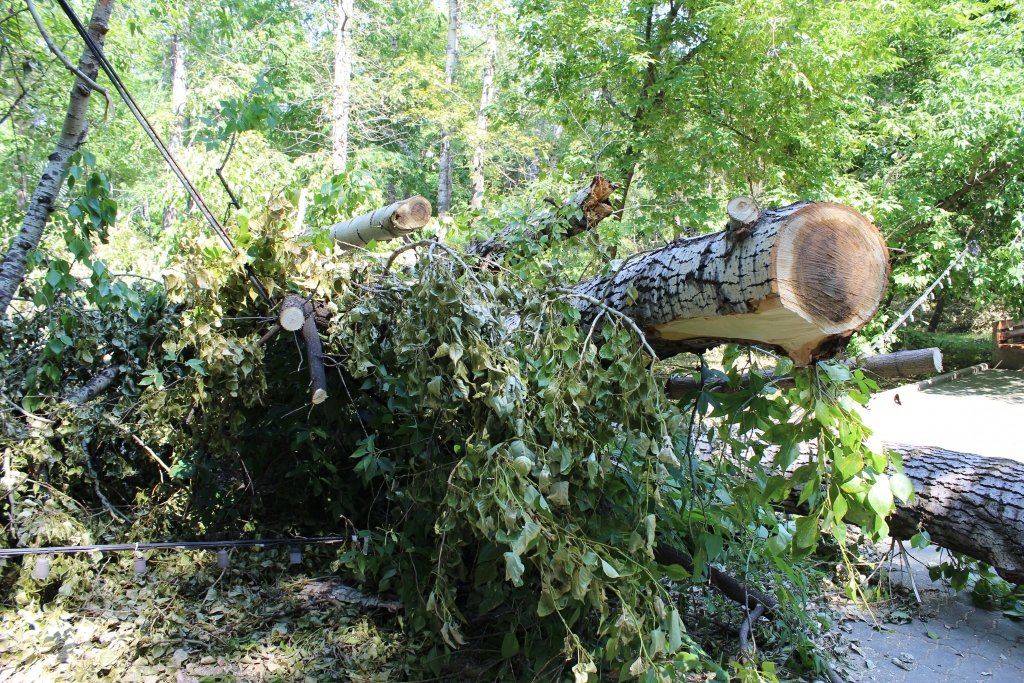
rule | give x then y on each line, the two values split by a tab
509	485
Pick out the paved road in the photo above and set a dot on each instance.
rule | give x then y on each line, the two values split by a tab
980	413
949	641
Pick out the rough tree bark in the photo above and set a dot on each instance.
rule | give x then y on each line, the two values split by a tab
179	94
800	280
45	195
486	98
342	80
444	178
970	504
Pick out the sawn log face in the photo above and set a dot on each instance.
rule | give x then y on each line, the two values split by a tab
802	280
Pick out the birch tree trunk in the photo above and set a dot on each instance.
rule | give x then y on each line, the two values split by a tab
342	81
486	98
444	177
41	205
801	280
179	94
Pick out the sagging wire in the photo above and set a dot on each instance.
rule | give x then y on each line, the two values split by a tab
197	198
972	248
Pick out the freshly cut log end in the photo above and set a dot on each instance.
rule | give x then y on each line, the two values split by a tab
292	314
831	267
386	223
319	396
806	278
742	212
412	214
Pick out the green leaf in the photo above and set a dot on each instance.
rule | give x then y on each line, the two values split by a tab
675	630
510	645
880	496
196	365
676	573
608	569
806	532
902	487
514	569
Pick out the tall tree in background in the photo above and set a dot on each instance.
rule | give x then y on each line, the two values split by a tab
444	179
179	93
342	82
486	99
44	197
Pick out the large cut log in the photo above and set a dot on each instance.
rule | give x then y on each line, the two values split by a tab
587	207
395	220
885	365
801	279
970	504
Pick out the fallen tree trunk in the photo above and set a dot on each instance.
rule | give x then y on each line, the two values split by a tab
801	279
886	365
970	504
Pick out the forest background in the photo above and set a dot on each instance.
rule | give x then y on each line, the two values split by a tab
303	113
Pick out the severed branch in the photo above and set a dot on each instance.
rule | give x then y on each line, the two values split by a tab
139	441
897	364
746	649
67	63
299	314
95	386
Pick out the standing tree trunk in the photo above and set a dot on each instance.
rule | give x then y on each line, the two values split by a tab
801	279
45	195
342	80
486	98
444	177
179	93
933	323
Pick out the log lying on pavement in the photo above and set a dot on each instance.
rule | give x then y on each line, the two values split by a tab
970	504
591	202
886	365
801	279
396	220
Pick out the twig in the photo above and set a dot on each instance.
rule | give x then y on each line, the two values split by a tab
67	63
271	333
10	494
432	244
910	572
146	448
31	416
619	314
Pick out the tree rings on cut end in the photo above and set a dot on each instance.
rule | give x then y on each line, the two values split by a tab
831	267
292	315
412	214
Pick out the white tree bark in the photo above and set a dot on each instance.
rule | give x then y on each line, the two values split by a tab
342	82
486	99
179	96
45	195
387	223
444	177
801	280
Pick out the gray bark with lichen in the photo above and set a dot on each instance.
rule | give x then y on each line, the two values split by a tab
42	204
970	504
801	280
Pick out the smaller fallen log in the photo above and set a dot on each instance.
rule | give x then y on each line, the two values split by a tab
396	220
586	208
314	356
886	365
292	314
95	386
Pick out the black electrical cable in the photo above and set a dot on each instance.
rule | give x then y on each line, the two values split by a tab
122	90
183	545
